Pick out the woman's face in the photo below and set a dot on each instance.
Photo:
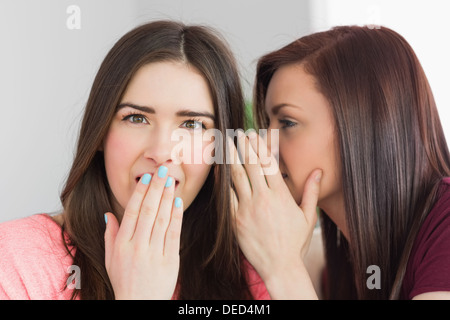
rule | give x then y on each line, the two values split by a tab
162	99
306	132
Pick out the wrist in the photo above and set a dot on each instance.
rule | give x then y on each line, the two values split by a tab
291	283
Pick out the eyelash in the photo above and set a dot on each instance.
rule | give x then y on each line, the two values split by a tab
128	117
286	123
196	121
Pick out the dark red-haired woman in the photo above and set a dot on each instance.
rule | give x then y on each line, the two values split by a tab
360	138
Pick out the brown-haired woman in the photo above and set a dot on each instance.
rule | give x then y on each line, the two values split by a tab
159	78
359	137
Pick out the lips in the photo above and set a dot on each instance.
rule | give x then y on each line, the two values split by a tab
139	178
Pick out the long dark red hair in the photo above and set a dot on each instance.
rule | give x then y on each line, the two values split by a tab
391	144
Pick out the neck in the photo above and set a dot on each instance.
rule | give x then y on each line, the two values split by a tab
335	210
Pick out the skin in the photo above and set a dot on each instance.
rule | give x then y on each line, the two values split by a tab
276	219
148	236
275	216
306	137
142	142
272	229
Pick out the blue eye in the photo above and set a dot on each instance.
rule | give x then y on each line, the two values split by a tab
136	118
194	125
287	124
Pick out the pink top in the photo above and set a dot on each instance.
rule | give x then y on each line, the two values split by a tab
34	263
33	259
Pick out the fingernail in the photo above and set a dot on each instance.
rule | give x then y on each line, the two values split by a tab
106	218
319	176
177	202
162	171
146	178
169	182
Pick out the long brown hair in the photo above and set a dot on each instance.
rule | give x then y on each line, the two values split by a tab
210	267
391	144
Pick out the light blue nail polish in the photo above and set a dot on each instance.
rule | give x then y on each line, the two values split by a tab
177	202
169	182
106	218
162	171
146	178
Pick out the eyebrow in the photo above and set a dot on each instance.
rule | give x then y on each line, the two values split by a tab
275	109
180	113
134	106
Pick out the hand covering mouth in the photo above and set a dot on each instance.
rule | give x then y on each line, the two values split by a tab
139	178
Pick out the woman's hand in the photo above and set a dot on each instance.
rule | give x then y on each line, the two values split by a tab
273	231
142	255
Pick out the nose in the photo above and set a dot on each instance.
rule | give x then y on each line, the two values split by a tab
159	148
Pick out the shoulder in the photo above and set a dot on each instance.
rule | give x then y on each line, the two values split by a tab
34	258
436	226
443	196
438	220
429	262
32	224
31	235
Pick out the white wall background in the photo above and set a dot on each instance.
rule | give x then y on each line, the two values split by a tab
424	24
46	69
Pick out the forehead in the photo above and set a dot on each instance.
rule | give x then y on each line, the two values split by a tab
292	85
169	86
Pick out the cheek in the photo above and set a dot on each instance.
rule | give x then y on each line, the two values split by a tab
304	155
301	155
195	176
196	156
194	149
297	165
119	154
331	184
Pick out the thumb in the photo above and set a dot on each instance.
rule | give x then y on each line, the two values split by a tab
311	196
112	228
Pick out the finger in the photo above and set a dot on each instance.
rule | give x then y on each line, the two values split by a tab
311	196
112	228
239	175
131	213
267	161
156	240
251	163
172	239
150	206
